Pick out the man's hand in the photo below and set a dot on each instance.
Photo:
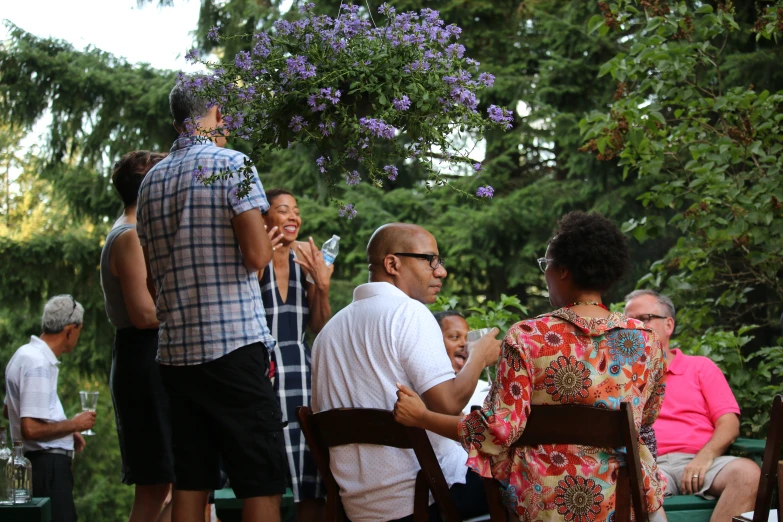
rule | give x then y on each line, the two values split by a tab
695	472
486	349
84	421
78	442
409	410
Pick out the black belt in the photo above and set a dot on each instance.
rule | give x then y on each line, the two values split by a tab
52	451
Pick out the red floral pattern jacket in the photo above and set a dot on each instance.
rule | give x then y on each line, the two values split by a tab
560	358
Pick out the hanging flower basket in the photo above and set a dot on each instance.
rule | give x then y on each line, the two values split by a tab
368	96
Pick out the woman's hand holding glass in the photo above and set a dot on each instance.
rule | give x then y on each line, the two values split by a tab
312	260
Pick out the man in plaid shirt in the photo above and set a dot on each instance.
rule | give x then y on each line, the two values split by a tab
203	247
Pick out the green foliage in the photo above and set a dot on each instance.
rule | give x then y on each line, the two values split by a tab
712	150
488	314
708	144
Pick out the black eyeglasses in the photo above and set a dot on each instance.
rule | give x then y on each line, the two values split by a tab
73	310
543	263
646	318
434	259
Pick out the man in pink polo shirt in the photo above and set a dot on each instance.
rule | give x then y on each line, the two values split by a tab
698	421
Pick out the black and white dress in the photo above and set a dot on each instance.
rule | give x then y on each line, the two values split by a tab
288	321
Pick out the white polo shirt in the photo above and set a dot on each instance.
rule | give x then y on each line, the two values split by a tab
381	338
31	391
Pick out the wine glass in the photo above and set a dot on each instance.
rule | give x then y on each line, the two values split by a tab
475	335
89	402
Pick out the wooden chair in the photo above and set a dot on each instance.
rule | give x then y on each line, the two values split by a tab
339	427
589	426
771	468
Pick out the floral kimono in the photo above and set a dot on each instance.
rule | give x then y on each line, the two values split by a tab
560	358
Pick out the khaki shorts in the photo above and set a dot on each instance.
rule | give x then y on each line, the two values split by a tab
673	464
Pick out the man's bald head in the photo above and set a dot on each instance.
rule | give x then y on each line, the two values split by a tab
391	238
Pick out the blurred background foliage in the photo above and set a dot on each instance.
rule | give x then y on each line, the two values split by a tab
674	105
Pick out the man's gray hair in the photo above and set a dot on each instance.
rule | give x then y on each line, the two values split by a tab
59	312
662	300
185	104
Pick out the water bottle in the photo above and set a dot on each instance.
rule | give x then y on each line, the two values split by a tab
329	251
7	491
22	475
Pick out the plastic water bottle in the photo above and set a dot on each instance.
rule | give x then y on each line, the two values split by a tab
7	491
329	251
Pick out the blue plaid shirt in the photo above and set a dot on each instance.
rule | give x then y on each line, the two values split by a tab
208	302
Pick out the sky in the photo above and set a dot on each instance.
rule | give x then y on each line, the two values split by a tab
156	35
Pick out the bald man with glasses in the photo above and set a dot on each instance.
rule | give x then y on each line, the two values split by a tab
698	422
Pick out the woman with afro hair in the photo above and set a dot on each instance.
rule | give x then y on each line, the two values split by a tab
580	353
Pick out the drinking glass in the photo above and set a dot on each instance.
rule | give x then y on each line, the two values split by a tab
475	335
89	401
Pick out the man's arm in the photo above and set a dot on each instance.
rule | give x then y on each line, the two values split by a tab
253	239
35	429
726	431
450	397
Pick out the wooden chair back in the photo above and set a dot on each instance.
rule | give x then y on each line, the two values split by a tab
589	426
343	426
771	467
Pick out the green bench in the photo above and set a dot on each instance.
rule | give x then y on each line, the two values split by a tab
690	508
229	508
39	510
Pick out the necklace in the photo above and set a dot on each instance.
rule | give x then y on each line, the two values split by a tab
585	303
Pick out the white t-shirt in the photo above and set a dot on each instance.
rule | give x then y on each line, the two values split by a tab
31	391
381	338
477	399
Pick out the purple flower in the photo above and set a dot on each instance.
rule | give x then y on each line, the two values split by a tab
326	128
391	172
199	173
312	101
332	95
298	67
262	45
243	61
485	192
308	7
348	211
488	80
297	123
402	104
378	128
477	167
464	96
471	61
386	9
500	115
192	55
353	178
321	162
457	50
213	34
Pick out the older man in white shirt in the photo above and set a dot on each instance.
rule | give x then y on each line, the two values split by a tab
35	411
385	336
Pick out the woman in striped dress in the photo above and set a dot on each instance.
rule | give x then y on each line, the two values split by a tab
292	304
